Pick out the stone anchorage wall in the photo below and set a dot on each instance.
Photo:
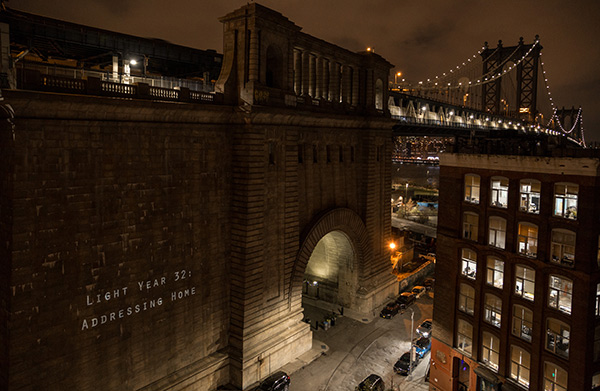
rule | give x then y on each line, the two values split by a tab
158	245
120	214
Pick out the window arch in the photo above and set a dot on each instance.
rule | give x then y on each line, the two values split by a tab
472	182
495	272
530	196
527	239
522	322
560	293
525	282
499	192
274	71
492	309
466	298
519	365
470	225
469	263
558	335
464	336
562	250
565	200
490	350
497	232
555	378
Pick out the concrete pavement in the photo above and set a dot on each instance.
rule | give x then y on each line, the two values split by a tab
355	347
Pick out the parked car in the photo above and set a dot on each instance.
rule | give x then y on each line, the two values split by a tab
402	366
429	282
427	257
278	381
422	346
372	382
424	329
418	290
405	299
390	310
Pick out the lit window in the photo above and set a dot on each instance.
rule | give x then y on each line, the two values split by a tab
499	192
492	310
598	256
497	232
565	200
469	263
563	247
524	282
596	380
559	294
527	239
530	196
519	365
597	343
557	337
495	272
466	299
470	226
490	350
464	336
597	299
522	322
472	188
555	378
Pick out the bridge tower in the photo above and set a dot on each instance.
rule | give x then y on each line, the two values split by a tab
570	120
527	75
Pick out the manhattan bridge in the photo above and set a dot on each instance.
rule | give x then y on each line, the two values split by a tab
497	91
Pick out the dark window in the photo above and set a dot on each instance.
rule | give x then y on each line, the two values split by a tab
300	153
315	157
352	160
328	148
271	153
341	154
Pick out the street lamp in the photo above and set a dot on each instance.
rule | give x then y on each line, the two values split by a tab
405	199
412	329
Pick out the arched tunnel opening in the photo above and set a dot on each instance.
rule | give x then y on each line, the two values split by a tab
330	277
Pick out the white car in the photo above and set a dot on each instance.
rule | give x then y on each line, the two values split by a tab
424	329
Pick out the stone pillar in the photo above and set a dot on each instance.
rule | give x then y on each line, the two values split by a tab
319	76
355	87
326	73
253	56
334	82
305	71
312	76
297	72
346	83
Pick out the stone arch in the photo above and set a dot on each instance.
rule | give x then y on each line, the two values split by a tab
274	68
340	219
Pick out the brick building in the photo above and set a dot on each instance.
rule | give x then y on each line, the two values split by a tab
517	287
157	238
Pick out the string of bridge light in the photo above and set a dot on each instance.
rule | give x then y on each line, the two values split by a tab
579	118
485	79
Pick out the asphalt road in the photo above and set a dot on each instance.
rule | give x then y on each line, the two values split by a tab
358	348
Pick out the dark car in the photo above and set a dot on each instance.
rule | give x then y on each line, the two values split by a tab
405	299
279	381
390	310
403	364
429	282
422	346
424	329
371	383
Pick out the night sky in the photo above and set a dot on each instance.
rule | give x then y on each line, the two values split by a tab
421	38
